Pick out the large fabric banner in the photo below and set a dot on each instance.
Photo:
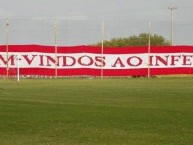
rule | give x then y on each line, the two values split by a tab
94	61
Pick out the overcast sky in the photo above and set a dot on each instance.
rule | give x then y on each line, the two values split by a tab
111	11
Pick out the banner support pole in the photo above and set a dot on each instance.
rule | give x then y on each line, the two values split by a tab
56	46
7	45
102	47
149	47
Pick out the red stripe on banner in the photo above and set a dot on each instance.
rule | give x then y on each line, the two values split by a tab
95	49
27	48
171	49
75	72
96	72
73	49
170	71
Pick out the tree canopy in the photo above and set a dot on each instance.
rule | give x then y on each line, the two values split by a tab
136	40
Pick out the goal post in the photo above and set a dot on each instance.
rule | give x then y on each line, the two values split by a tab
18	66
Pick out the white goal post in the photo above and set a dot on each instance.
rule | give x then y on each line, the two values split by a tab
18	73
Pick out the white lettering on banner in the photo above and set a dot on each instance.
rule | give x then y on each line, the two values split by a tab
95	61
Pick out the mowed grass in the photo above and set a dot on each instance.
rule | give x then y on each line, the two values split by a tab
121	111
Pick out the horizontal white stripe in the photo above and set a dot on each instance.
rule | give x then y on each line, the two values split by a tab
112	61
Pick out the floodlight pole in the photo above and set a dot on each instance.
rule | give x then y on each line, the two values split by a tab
56	46
149	48
7	45
102	47
172	26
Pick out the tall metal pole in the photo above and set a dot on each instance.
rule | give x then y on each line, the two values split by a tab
7	45
56	46
149	48
102	47
171	23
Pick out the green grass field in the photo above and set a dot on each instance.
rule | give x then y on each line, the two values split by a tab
121	111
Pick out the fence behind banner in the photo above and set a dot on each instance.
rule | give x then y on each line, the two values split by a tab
47	31
60	32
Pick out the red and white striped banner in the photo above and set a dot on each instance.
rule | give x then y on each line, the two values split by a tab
89	61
